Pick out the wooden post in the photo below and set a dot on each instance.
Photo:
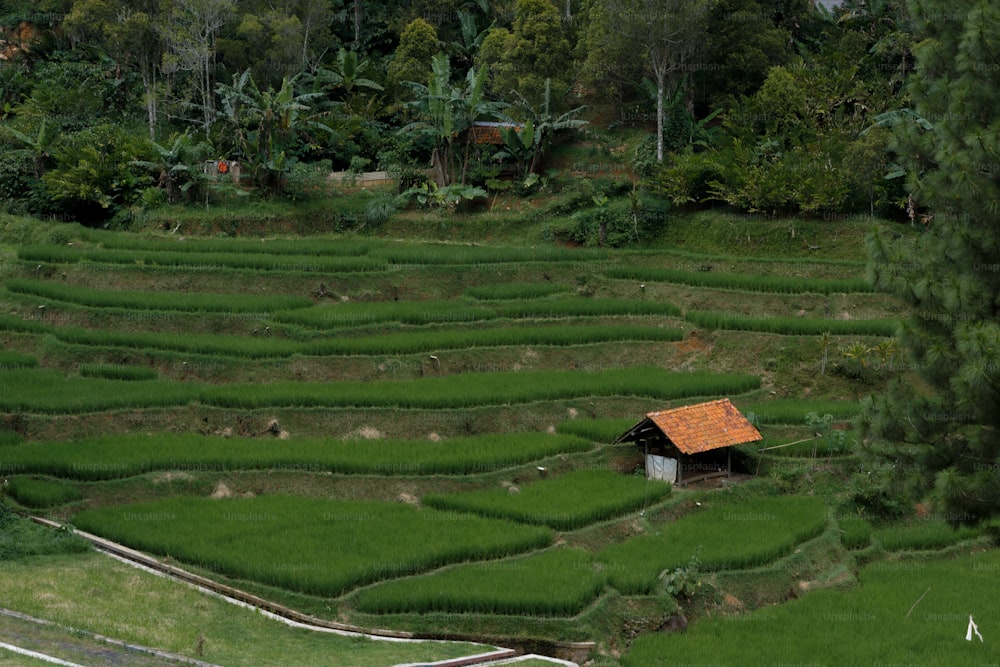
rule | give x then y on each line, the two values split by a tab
729	461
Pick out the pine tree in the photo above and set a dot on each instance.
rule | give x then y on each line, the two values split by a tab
937	433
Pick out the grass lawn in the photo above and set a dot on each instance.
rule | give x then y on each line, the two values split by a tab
97	594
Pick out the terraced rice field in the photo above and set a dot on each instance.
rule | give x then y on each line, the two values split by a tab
378	430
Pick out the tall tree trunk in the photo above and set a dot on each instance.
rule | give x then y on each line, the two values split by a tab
659	116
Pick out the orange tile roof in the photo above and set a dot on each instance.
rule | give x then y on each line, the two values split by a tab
489	133
706	426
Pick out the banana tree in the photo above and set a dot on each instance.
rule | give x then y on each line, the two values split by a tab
544	125
37	148
520	146
175	164
268	125
446	112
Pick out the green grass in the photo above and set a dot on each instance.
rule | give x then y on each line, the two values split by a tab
203	302
558	582
41	493
909	613
605	430
795	410
313	546
116	372
308	246
724	535
50	391
137	453
923	534
257	347
742	281
567	502
449	253
200	260
15	323
856	533
792	326
503	291
98	594
10	360
583	306
355	314
21	538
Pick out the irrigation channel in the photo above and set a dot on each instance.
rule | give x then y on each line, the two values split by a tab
569	653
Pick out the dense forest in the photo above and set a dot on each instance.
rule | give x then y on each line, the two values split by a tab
767	106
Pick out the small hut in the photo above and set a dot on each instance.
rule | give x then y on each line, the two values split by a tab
691	443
